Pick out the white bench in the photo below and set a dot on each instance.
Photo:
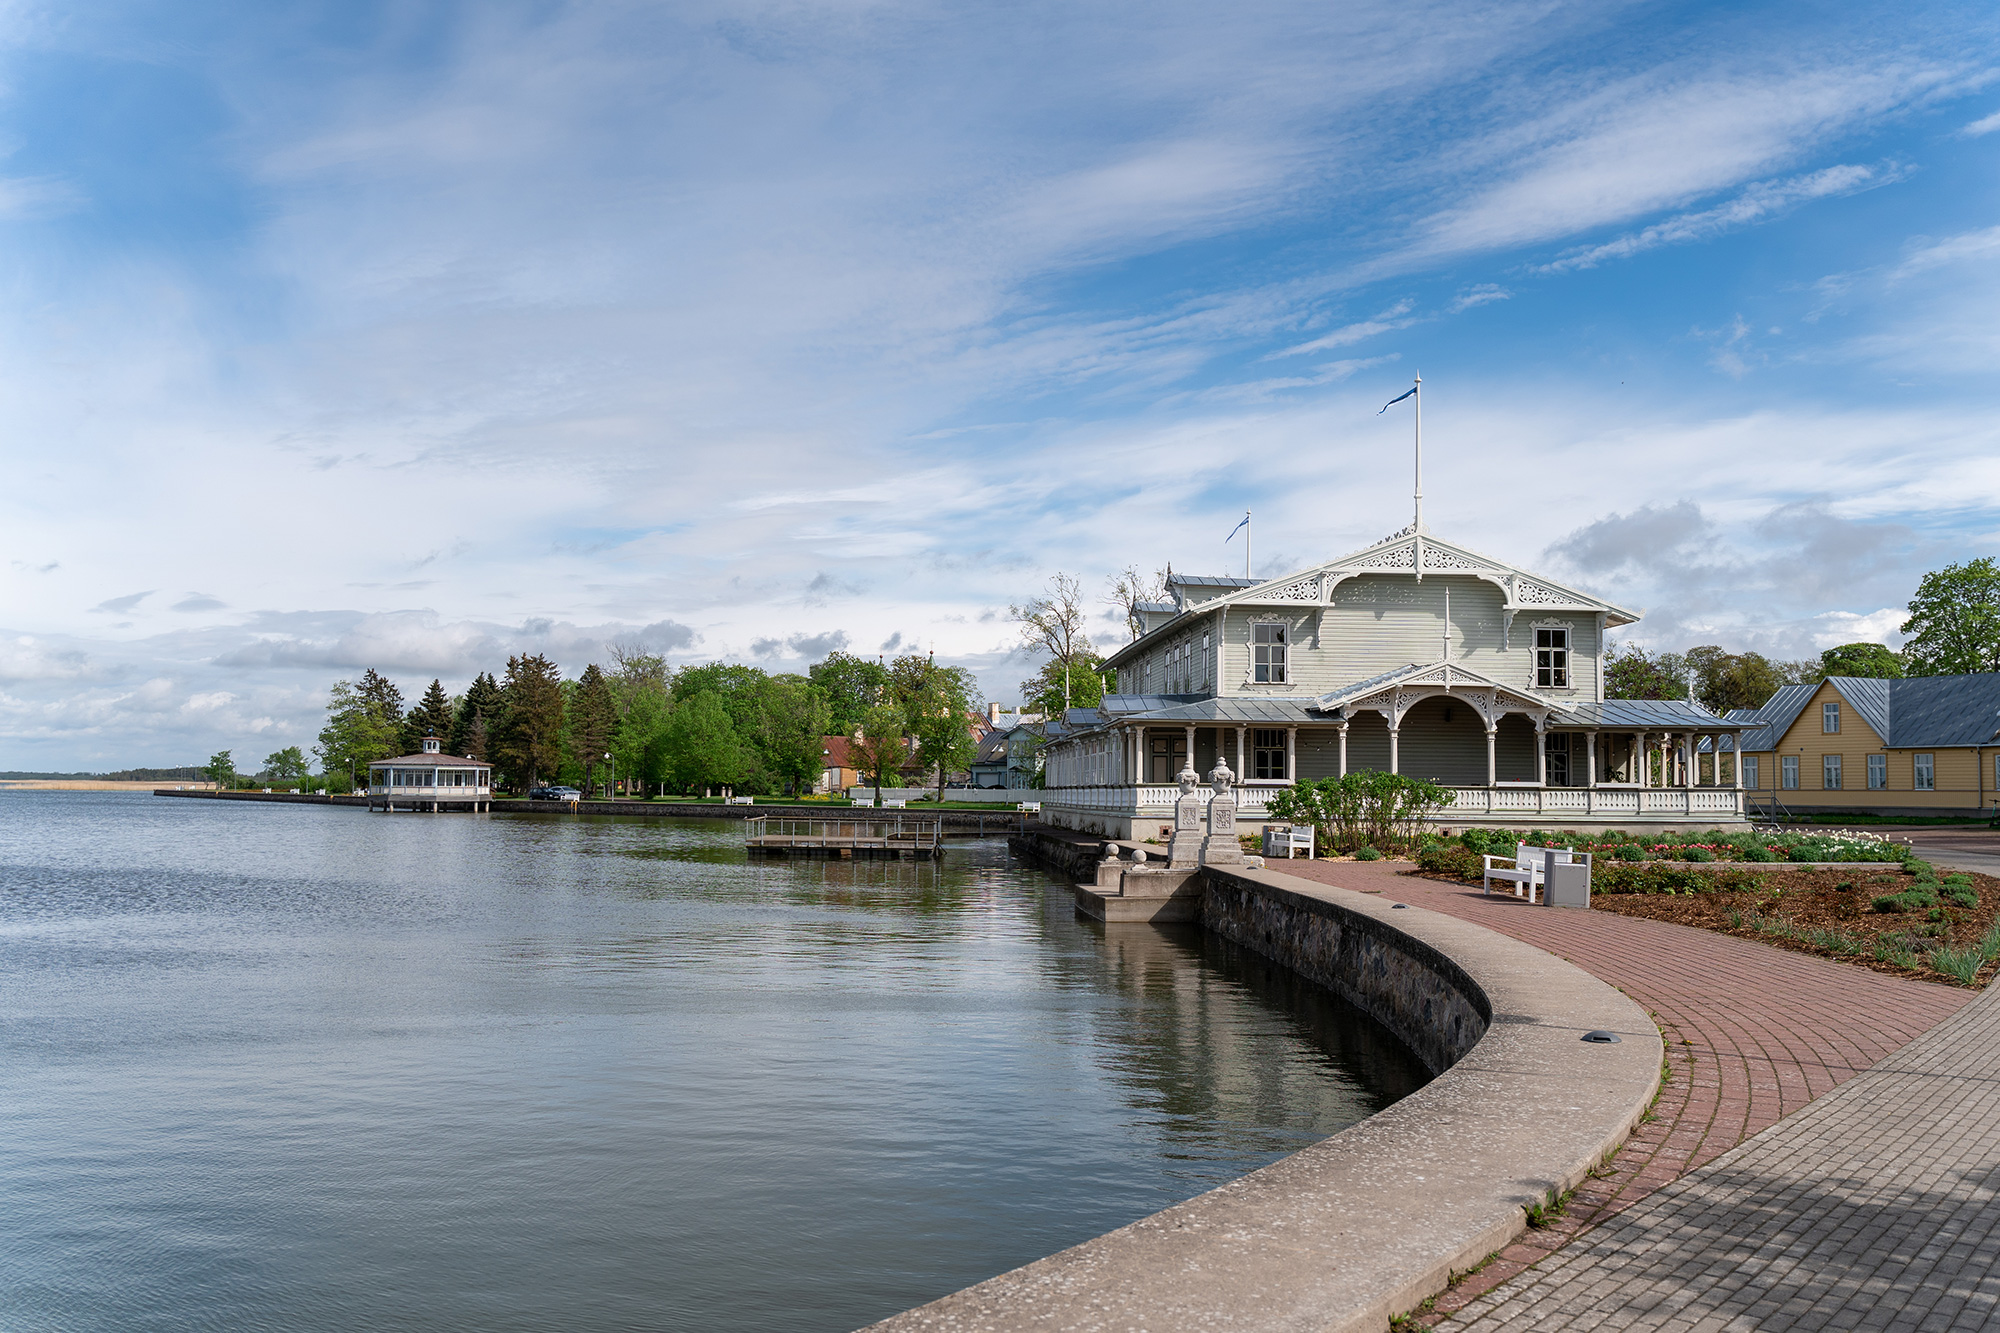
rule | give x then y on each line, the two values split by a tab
1031	807
742	800
868	801
1289	840
1524	869
888	804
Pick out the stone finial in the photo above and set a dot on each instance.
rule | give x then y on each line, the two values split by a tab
1138	856
1111	851
1187	777
1220	777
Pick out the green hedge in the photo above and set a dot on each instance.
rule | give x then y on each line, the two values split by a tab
1666	877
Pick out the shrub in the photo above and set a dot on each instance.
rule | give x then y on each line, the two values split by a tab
1442	858
1631	851
1963	897
1888	903
1697	854
1367	854
1759	854
1667	877
1475	840
1803	852
1366	808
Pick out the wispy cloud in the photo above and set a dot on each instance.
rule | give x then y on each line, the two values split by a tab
1984	125
1395	317
1758	203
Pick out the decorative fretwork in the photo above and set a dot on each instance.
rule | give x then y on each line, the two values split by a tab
1530	593
1396	557
1298	590
1439	560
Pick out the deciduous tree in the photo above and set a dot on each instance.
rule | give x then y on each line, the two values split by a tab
938	705
1876	661
883	744
852	686
220	768
792	731
1954	624
1054	689
702	748
286	764
1054	624
1131	588
359	728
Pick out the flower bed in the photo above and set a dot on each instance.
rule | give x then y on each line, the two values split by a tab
1754	847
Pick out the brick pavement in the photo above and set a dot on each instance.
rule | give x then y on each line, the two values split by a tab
1753	1035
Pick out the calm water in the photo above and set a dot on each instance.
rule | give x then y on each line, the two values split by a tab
287	1068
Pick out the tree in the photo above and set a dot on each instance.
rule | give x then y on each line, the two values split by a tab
1876	661
701	746
431	717
221	769
1053	624
286	764
938	705
1632	673
380	690
593	720
1954	624
527	736
792	731
472	721
1131	588
641	690
882	744
359	728
852	686
1050	691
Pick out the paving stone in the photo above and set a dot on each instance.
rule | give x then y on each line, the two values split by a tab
1839	1131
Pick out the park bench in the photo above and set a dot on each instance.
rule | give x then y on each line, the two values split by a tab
1288	840
1524	869
742	800
888	804
1031	807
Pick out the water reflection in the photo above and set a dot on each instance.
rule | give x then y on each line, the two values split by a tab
314	1069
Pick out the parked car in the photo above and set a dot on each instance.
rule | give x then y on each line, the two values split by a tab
555	794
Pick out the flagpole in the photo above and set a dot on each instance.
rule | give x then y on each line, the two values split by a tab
1246	543
1418	527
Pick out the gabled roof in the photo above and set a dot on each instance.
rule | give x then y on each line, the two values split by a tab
1938	710
1428	673
1870	698
1778	713
1412	551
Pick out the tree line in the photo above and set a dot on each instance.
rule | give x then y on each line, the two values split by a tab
658	729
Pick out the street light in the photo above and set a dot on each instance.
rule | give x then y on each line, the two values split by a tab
610	778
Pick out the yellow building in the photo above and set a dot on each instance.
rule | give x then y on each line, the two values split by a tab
1929	745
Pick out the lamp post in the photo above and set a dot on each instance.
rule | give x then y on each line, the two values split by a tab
610	778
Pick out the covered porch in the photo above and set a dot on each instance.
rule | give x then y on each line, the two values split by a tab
1506	756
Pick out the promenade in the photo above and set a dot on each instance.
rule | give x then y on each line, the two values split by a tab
1867	1207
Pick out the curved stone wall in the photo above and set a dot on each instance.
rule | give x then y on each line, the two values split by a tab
1367	1223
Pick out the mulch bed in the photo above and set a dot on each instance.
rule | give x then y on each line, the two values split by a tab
1829	900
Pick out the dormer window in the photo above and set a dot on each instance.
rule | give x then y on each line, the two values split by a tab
1267	656
1552	659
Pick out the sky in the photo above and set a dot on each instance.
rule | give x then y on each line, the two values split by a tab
415	335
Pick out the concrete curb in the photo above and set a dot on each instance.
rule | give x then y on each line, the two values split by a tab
1368	1223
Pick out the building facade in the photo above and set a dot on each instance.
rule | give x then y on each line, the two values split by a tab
1416	656
430	781
1927	745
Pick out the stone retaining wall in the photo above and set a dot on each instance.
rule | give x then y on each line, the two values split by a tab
994	822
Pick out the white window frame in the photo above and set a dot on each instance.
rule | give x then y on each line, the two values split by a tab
1750	774
1829	718
1552	658
1788	772
1830	766
1878	772
1270	656
1923	772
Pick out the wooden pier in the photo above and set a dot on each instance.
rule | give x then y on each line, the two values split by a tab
846	838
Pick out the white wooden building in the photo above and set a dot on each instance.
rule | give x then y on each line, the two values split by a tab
1415	656
430	781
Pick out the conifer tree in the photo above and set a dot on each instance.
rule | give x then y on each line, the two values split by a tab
526	737
432	716
473	720
593	721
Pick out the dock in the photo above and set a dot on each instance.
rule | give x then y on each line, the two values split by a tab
850	838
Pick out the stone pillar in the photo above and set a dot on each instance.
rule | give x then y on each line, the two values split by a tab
1492	757
1342	729
1291	754
1220	847
1184	853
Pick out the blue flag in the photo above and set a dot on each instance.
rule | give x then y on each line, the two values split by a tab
1397	399
1239	527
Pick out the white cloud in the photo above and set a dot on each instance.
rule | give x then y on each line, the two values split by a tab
1984	125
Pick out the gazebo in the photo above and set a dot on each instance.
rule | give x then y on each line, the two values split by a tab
430	781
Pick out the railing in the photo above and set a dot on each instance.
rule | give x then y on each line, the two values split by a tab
1155	800
845	830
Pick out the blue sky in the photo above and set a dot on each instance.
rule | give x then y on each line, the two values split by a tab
413	335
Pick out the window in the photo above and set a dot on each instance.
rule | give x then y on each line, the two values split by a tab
1750	771
1925	772
1878	772
1555	746
1268	654
1207	660
1552	659
1788	769
1829	718
1268	760
1829	772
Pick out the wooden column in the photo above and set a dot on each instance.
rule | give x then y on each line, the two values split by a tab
1291	754
1590	758
1241	776
1736	759
1342	729
1642	762
1190	745
1541	752
1492	757
1395	758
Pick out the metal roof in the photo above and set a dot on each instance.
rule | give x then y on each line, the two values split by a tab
1642	715
1870	698
1779	712
430	761
1243	711
1939	710
1121	704
1157	608
1210	581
